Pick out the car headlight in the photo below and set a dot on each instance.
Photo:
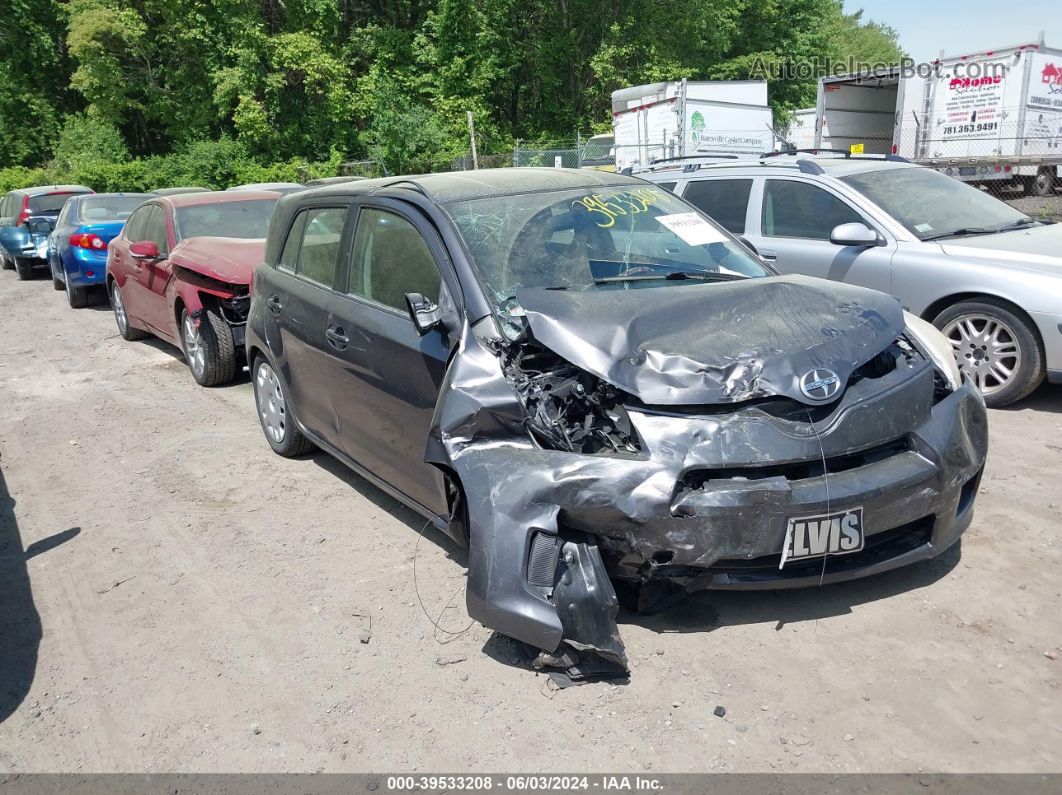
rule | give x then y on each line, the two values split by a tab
936	346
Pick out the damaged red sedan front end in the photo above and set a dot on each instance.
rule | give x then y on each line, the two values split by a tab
181	270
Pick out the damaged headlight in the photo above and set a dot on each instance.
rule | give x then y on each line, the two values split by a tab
567	408
936	347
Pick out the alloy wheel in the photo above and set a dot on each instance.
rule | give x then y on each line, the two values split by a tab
986	350
271	407
193	346
119	308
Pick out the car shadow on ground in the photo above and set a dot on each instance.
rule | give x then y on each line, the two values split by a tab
20	624
1046	397
705	611
388	504
241	378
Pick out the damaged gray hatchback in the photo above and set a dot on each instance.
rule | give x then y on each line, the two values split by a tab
599	390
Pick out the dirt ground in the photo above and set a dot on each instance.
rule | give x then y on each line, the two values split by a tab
174	597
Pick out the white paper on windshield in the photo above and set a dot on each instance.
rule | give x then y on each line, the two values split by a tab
693	229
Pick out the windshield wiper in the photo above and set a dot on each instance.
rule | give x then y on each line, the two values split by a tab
1017	224
704	276
972	230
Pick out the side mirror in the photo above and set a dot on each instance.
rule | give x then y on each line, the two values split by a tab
145	249
854	234
423	312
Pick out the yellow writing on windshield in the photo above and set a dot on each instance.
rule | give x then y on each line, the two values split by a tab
607	208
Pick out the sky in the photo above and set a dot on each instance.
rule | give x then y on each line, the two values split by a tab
927	26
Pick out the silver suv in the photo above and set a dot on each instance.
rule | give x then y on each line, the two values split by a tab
988	276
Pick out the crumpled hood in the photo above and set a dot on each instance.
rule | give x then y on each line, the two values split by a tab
717	342
228	259
1036	248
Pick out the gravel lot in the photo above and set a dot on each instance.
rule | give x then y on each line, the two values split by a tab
174	597
1039	207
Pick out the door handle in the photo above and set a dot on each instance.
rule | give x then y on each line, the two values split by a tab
768	253
273	302
336	337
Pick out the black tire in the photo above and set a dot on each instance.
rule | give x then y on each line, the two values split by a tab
1044	182
6	262
125	328
292	441
1030	370
217	365
77	297
24	268
58	283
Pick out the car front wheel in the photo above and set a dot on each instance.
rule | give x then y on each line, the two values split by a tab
209	348
6	262
279	427
121	317
995	347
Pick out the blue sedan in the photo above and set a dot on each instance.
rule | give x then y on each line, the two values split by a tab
77	250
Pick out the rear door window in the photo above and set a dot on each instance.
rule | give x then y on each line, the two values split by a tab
134	228
155	228
797	209
725	200
391	258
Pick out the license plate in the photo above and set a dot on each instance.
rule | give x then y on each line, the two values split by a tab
838	533
967	171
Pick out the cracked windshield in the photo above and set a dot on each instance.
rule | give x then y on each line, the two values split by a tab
613	239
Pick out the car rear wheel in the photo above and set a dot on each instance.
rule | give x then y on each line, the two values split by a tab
6	262
77	297
279	427
125	328
209	348
24	268
996	349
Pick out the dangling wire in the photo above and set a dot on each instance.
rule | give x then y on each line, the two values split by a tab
435	622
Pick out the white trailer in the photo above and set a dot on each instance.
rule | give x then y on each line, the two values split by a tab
687	118
981	117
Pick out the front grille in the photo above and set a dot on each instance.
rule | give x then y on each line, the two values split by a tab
877	548
799	470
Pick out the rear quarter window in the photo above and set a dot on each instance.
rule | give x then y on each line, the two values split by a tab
724	200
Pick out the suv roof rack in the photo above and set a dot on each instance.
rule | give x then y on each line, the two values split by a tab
689	162
843	152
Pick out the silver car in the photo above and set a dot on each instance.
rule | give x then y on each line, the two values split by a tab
987	275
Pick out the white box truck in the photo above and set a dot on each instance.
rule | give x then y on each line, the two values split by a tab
981	117
688	118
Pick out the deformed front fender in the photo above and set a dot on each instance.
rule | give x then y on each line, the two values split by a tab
478	432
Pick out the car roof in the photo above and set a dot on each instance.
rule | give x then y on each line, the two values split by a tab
43	190
465	185
216	197
119	195
264	186
332	180
178	190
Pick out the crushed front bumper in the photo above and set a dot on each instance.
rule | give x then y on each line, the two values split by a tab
706	502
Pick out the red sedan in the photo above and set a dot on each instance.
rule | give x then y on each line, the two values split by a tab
181	270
